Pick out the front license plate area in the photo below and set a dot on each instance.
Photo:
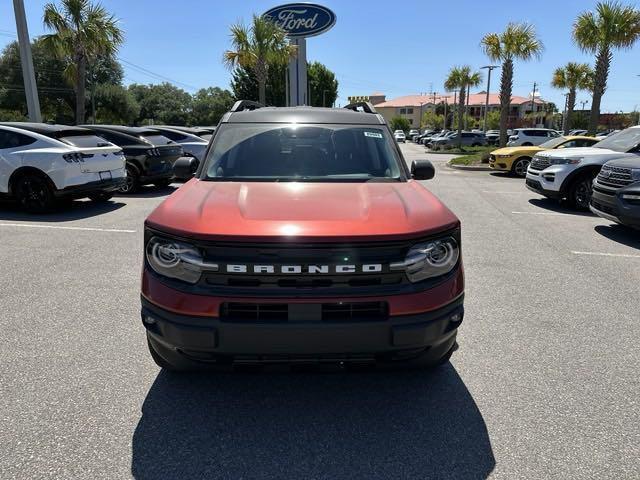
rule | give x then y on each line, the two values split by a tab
104	176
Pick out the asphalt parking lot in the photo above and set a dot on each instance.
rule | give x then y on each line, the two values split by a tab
545	383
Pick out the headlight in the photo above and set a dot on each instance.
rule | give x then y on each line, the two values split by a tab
176	260
564	161
429	259
635	174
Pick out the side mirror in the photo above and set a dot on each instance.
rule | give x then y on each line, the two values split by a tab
422	170
185	167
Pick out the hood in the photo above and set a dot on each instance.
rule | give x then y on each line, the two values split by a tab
626	162
582	152
515	150
301	210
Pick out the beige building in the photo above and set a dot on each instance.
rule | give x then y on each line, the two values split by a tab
412	107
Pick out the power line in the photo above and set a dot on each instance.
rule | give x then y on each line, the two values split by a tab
156	75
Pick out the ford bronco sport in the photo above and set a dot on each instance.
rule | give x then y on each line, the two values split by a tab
302	237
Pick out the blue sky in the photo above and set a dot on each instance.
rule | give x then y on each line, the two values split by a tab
397	48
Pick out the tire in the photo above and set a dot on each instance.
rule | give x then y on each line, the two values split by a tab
519	167
101	197
162	183
132	184
34	193
580	192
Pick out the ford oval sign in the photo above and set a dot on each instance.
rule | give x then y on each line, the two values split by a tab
302	19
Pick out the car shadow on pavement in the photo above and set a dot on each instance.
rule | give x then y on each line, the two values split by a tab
311	425
75	210
558	207
150	192
621	234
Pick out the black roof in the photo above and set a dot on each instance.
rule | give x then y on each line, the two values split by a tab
47	129
192	130
122	129
303	115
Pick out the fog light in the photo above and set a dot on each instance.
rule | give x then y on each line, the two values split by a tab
630	196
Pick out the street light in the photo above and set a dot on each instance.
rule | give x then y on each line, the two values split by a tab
28	74
486	100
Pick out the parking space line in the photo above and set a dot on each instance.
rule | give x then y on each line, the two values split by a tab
602	254
60	227
542	213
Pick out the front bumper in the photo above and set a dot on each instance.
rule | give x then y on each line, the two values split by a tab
500	164
613	208
200	327
215	340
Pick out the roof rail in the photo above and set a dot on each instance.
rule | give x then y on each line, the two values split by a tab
367	107
241	105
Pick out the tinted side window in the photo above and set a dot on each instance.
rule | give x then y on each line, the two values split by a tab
467	135
14	139
114	138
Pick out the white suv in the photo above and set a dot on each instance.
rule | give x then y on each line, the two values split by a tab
527	137
569	173
41	163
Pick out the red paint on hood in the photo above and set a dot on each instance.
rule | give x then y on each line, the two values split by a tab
301	210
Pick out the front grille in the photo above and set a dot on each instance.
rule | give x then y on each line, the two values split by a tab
614	177
539	163
322	312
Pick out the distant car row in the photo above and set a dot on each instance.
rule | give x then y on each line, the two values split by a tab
590	174
41	164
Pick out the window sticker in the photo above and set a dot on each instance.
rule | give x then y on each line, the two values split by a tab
373	134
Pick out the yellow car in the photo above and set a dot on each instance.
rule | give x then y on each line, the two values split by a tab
516	159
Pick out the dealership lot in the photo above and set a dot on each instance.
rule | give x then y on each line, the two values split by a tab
544	385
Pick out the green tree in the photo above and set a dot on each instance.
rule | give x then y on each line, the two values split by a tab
163	104
400	123
611	26
323	86
518	42
115	104
459	78
244	85
209	105
82	32
493	119
573	76
432	120
260	46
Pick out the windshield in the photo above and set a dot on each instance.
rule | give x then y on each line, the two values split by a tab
553	143
622	141
277	152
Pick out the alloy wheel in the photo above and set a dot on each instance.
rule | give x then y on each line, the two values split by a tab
521	166
582	194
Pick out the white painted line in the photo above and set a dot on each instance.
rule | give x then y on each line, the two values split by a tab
623	255
543	213
505	192
60	227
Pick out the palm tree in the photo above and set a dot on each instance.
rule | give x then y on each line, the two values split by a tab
258	47
611	26
573	76
518	42
460	78
82	32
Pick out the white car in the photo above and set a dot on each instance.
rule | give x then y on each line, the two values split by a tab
399	136
528	137
192	145
569	173
41	163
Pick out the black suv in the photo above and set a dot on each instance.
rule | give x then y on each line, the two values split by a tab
616	192
150	155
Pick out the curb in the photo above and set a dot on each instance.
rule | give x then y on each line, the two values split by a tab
477	168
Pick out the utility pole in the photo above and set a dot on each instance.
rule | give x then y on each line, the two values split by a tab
533	103
486	100
28	74
444	124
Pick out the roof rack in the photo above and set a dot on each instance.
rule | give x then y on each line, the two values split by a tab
242	105
366	107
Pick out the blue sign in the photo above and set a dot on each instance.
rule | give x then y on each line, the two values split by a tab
302	19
